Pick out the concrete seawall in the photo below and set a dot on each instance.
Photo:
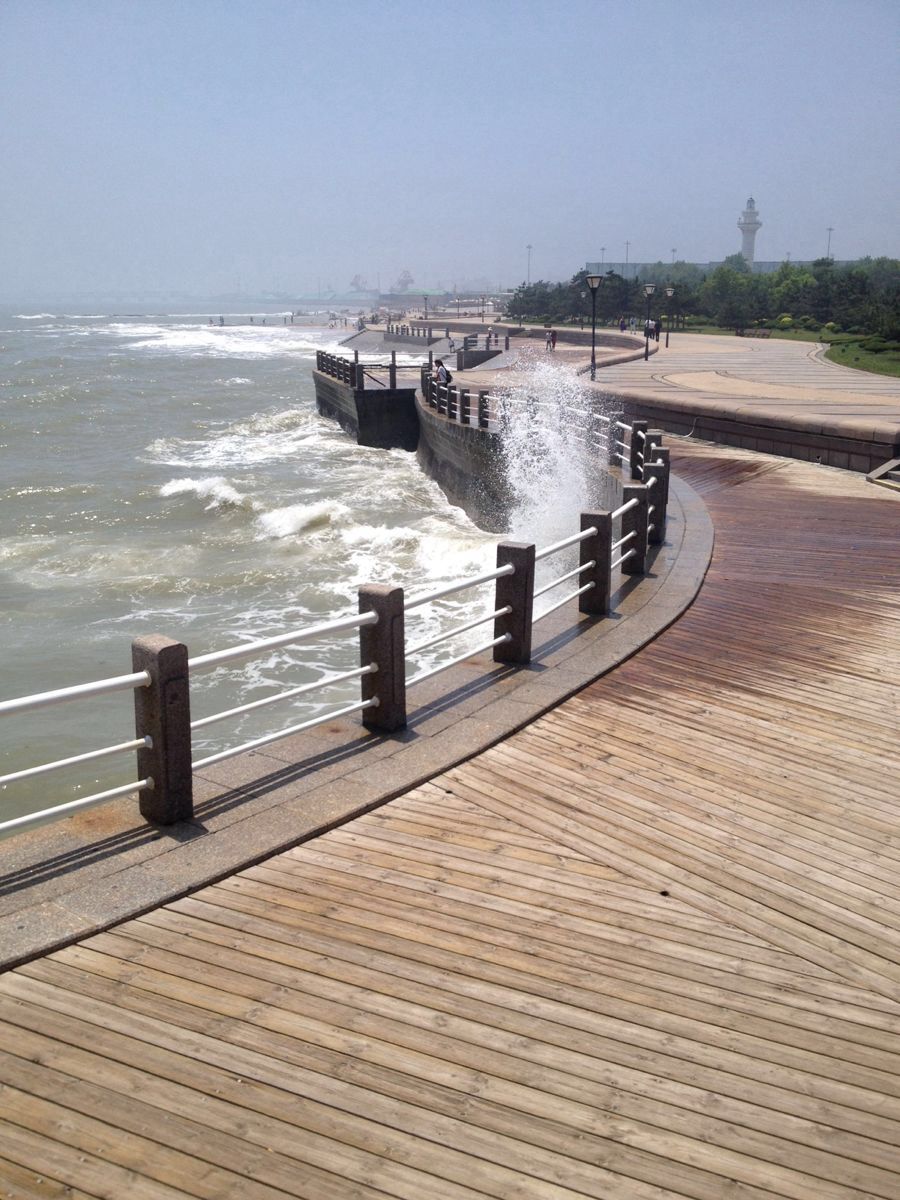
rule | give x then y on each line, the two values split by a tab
383	417
465	461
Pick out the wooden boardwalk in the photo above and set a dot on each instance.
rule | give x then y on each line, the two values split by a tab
646	948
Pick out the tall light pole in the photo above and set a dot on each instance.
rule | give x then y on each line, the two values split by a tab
627	247
425	298
528	277
649	289
602	255
482	310
670	292
829	231
674	252
593	282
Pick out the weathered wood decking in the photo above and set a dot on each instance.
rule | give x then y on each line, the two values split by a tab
646	948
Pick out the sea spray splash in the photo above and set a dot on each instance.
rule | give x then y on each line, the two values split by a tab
550	453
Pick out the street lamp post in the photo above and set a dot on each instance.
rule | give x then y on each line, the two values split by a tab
649	289
670	292
593	282
425	298
482	310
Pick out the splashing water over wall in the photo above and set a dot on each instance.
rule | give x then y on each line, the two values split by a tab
551	457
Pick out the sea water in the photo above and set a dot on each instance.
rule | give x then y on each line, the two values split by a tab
161	474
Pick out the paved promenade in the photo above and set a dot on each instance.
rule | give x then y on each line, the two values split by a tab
647	948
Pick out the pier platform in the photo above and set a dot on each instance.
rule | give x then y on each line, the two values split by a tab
648	947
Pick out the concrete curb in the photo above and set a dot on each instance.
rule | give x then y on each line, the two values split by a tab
68	881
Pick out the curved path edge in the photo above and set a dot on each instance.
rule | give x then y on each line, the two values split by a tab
68	881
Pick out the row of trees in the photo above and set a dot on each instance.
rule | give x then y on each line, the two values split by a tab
861	298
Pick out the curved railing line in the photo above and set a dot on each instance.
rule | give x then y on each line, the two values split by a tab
60	763
506	637
53	814
561	545
118	683
457	630
509	569
274	737
163	725
315	686
204	661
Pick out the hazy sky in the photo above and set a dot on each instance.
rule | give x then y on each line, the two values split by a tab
199	145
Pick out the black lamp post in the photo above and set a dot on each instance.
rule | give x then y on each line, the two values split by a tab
593	282
670	292
425	298
649	289
482	310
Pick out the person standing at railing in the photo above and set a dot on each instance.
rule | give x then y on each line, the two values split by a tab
440	372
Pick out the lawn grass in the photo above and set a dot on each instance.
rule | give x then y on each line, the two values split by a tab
851	354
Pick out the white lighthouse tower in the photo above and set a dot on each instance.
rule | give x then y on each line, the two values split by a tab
748	225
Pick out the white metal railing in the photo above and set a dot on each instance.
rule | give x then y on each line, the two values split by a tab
60	763
454	662
561	545
204	662
565	600
30	820
385	647
119	683
548	587
457	630
315	686
453	588
282	733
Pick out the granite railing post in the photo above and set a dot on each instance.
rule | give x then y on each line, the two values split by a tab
383	644
635	520
162	713
656	520
483	420
453	402
392	370
465	414
637	447
662	455
517	591
596	549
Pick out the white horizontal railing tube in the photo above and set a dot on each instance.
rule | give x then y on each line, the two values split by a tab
638	428
102	687
453	588
205	662
383	644
514	590
163	719
635	520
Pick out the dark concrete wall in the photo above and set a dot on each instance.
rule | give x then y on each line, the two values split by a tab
790	435
465	461
384	417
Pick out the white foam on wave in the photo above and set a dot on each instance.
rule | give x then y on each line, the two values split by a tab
265	438
217	490
235	381
34	316
299	518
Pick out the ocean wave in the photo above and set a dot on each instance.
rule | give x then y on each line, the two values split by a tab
35	316
217	490
298	518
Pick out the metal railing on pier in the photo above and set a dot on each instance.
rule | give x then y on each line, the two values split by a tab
164	671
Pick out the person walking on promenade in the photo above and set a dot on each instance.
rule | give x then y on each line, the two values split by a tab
621	324
656	328
549	342
552	339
